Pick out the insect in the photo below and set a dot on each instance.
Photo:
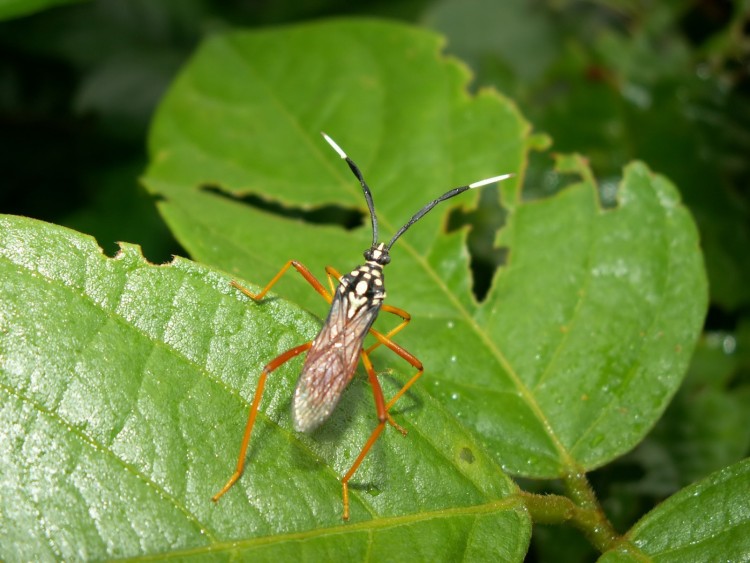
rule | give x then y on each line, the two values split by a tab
333	355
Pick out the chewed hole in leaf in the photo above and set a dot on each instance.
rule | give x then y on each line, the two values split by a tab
608	193
484	222
337	215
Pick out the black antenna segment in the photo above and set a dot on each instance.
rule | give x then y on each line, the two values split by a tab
447	195
419	214
365	189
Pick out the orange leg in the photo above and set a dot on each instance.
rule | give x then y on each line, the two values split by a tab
381	407
382	417
332	273
309	277
403	353
271	366
405	320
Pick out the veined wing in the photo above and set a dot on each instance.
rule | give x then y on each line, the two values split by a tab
330	362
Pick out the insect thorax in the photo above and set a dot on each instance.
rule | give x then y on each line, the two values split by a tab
363	287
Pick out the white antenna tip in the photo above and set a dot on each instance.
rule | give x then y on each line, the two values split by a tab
331	142
492	180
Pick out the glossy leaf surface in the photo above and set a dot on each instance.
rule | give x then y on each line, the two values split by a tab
125	386
707	521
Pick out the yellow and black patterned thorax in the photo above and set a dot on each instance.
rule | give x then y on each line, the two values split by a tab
361	289
364	287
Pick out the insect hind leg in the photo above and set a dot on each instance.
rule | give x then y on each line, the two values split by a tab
383	416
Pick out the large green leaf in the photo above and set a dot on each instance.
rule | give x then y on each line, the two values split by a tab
127	385
619	92
588	328
707	521
245	117
124	389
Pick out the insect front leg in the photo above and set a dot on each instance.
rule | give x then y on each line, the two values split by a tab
271	366
332	273
307	274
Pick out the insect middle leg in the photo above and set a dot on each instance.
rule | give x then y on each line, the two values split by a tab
405	320
403	353
271	366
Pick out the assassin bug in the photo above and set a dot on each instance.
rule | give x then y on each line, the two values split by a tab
333	355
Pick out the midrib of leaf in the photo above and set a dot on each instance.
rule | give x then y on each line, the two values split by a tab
368	526
524	391
88	439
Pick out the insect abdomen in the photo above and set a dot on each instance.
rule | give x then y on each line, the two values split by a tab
332	360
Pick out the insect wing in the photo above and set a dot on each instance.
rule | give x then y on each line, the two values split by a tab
330	363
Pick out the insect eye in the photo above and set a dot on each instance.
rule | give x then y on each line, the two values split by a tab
379	256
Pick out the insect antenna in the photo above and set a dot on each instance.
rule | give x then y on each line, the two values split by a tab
447	195
419	214
365	188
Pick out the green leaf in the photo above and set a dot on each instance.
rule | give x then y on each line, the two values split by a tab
707	424
236	121
596	314
125	387
708	521
16	8
588	329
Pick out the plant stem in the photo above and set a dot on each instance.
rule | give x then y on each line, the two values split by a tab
580	508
